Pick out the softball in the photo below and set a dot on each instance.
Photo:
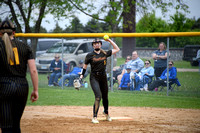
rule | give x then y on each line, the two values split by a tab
106	37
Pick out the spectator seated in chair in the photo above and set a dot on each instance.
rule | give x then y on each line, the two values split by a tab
163	78
72	75
125	81
117	71
56	67
136	66
145	76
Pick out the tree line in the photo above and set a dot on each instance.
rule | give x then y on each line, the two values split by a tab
149	23
107	16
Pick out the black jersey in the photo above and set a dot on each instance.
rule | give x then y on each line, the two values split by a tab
22	54
97	61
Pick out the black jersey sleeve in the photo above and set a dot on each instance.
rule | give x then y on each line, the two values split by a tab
30	52
87	59
109	53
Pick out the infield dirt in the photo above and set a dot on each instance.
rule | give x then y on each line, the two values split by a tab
77	119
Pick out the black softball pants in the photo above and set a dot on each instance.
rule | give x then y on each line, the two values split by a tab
100	88
13	97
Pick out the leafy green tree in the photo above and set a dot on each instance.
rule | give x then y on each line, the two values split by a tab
196	24
150	23
117	11
111	8
67	29
76	26
42	29
180	23
23	12
94	26
57	29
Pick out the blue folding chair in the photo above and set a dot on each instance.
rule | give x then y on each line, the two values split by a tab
173	84
147	80
135	86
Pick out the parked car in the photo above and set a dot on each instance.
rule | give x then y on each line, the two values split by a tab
190	53
73	51
44	44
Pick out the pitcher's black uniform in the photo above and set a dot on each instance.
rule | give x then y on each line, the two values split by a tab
13	85
98	78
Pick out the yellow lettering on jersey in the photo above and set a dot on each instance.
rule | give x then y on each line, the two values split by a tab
104	62
11	62
16	55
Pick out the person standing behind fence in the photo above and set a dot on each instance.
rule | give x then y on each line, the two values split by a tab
160	59
14	57
98	79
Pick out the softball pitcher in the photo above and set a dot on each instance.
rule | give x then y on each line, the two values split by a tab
98	79
14	57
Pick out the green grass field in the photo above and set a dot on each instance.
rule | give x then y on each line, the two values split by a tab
70	96
187	96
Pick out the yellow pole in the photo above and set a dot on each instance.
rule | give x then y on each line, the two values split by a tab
60	35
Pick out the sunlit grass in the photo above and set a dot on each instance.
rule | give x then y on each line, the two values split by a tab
70	96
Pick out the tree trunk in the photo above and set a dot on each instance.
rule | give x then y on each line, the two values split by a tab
129	26
34	41
37	26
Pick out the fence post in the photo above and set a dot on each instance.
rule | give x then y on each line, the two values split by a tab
62	64
167	66
111	74
111	70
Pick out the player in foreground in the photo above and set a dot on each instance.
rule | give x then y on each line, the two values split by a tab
98	79
14	57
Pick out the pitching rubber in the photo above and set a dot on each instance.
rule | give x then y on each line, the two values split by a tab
117	118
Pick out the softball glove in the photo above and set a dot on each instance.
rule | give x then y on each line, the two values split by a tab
77	84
